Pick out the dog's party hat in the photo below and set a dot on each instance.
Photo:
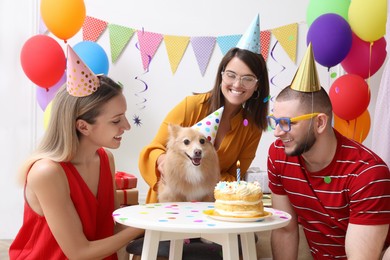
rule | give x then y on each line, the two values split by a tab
251	39
306	77
81	81
208	126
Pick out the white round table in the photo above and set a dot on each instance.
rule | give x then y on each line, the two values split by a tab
183	220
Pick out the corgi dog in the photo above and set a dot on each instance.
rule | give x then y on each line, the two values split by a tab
191	167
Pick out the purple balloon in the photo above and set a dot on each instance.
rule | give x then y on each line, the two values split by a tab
44	96
331	39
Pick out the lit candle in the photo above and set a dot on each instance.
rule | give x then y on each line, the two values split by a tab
238	171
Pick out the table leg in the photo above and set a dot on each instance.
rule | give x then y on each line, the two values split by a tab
150	247
176	249
248	246
229	244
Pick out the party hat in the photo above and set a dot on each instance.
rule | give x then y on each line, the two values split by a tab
251	39
81	81
208	126
306	77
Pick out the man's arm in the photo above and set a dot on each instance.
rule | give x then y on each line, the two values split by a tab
365	241
285	241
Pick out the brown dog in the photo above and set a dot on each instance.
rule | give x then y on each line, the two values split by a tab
191	167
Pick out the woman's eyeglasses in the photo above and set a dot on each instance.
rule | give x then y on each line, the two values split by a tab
229	77
285	122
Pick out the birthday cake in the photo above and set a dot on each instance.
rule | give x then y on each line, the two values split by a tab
238	199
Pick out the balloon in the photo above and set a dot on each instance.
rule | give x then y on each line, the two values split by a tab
44	96
368	19
47	115
93	56
63	18
317	8
361	60
356	129
331	39
350	96
43	60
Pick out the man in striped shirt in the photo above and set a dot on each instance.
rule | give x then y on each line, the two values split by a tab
335	188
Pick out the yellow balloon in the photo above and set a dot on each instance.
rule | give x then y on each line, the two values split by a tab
368	19
46	115
63	18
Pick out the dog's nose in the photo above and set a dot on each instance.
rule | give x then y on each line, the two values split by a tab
198	152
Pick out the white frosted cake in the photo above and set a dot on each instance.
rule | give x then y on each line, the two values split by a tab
238	199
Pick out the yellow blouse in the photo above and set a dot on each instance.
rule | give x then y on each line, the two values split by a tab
240	143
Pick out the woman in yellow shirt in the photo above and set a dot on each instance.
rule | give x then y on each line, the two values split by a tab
242	88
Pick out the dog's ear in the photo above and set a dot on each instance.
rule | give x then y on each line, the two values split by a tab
173	129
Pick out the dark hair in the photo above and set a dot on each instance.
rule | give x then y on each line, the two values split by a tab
317	101
255	107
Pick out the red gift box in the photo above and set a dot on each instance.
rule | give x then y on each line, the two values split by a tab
125	180
127	197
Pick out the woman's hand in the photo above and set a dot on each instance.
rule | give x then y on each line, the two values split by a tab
160	164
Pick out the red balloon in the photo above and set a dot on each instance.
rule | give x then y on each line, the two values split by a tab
43	60
350	96
359	57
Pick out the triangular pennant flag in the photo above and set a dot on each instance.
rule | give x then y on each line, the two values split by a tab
265	39
227	42
287	36
176	46
119	37
148	45
203	48
93	28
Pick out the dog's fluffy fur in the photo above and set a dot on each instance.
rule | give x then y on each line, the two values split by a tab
191	167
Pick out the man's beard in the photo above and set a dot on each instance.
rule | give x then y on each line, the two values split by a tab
305	146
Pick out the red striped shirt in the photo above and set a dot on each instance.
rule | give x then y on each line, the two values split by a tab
353	188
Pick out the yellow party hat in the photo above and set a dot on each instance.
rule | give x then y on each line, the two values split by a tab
306	77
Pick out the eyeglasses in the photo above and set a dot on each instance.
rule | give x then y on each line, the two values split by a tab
230	78
285	122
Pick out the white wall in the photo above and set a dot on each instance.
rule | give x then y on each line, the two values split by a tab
22	126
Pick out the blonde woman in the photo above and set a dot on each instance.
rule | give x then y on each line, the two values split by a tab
69	185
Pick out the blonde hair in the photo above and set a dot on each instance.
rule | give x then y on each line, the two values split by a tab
61	139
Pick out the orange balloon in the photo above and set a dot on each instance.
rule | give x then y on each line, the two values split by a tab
63	18
356	129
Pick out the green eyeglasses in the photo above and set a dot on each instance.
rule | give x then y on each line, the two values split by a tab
285	122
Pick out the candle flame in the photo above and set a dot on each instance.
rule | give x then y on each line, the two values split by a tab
238	163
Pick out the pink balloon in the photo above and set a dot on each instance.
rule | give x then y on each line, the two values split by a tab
45	95
358	59
350	96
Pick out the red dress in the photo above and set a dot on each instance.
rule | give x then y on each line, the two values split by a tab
35	240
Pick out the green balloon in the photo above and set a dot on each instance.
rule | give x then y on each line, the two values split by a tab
317	8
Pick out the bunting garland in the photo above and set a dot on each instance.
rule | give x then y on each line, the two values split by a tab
176	46
203	47
227	42
148	45
287	37
265	40
119	38
93	28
